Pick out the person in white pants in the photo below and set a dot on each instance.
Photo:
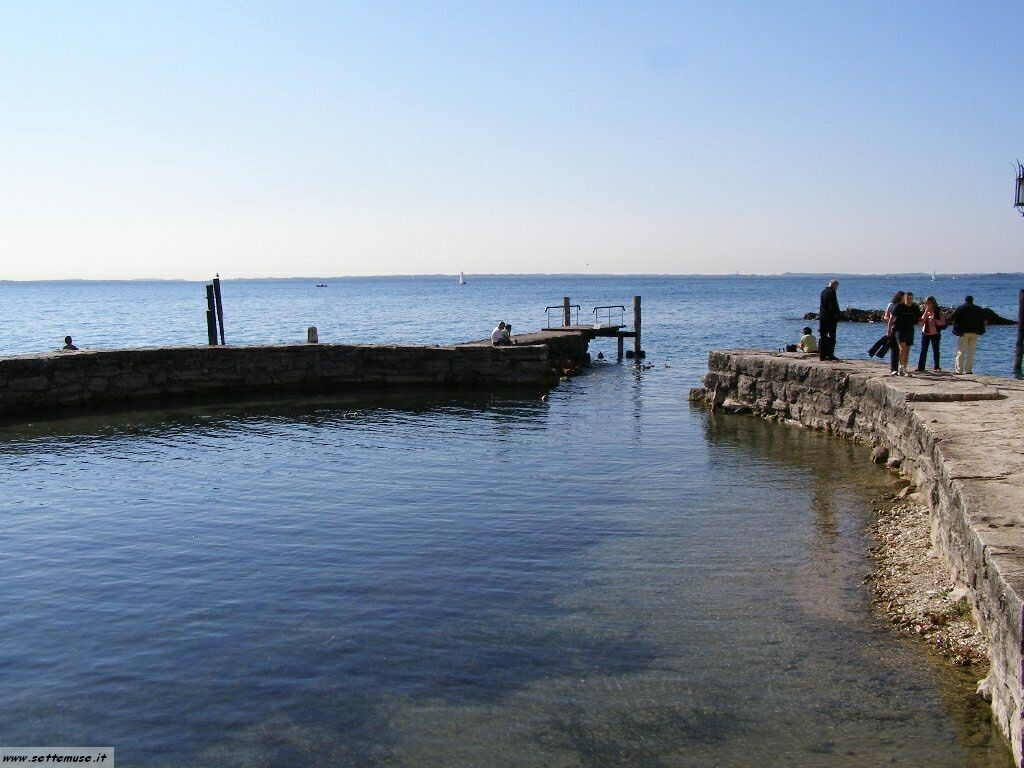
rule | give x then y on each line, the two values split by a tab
966	344
968	325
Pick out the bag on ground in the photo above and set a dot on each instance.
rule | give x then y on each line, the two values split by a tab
880	348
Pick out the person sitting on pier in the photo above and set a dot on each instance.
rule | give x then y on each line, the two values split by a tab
500	336
68	346
807	342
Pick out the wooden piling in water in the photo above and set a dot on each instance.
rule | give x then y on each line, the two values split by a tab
1018	352
211	316
637	322
220	306
566	312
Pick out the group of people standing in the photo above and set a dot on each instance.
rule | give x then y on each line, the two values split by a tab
902	317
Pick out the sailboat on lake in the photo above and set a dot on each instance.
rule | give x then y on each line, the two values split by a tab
462	278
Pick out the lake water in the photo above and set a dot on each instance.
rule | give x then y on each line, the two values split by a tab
610	577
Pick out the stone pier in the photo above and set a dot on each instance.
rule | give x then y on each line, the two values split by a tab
61	382
959	438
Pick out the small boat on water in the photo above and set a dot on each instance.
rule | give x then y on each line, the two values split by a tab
462	278
321	285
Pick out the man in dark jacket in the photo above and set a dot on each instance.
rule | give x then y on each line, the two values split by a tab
968	325
828	319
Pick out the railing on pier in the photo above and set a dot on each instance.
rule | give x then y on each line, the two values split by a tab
605	311
605	317
563	317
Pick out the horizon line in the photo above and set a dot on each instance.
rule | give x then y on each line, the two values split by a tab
502	275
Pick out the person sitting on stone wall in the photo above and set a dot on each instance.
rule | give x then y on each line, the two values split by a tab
500	336
807	342
68	346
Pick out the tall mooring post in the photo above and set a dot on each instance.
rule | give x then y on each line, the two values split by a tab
220	306
566	312
211	316
637	322
1018	351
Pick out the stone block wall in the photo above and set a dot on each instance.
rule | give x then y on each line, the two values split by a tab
41	383
567	350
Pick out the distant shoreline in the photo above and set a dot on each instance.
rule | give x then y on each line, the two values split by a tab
547	275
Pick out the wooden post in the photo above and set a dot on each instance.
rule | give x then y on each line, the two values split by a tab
211	317
566	312
220	306
311	335
1018	351
636	327
621	339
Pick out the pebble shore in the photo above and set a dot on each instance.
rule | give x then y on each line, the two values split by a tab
912	587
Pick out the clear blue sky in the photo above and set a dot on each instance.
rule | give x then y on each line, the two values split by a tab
309	138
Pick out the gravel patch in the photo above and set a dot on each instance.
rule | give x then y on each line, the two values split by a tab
912	588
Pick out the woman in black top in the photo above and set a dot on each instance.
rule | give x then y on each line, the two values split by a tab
905	316
890	331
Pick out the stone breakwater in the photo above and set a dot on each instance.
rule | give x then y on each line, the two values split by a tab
854	315
62	381
960	439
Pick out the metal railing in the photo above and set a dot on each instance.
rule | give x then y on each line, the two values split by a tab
560	316
604	312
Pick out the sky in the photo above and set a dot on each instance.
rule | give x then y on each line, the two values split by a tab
263	139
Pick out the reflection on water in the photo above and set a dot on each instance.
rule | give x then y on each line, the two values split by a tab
829	585
604	579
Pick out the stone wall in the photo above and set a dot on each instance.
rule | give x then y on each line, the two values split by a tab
959	438
41	383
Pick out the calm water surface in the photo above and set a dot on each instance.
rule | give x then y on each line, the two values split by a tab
606	578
